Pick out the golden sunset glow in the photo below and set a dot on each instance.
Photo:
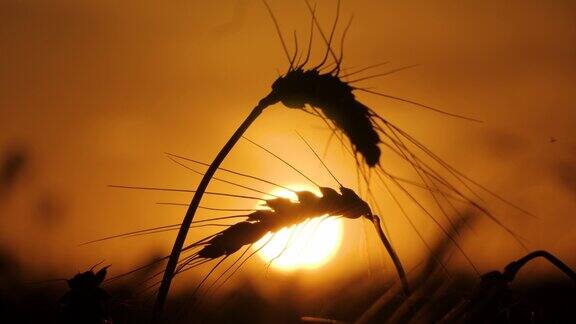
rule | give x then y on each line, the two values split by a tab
143	144
308	245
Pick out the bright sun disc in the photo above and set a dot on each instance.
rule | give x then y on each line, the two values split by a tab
308	245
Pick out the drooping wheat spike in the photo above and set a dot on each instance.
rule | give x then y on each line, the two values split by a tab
329	96
345	203
278	213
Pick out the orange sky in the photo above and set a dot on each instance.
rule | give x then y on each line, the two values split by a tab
96	91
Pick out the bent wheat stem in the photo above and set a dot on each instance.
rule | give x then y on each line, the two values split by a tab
187	221
392	253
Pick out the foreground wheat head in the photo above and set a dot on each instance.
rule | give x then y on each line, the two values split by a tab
327	95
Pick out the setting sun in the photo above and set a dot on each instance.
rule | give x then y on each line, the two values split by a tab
308	245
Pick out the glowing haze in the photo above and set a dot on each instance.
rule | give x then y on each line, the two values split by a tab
132	79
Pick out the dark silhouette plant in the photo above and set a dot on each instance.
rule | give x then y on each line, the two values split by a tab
327	95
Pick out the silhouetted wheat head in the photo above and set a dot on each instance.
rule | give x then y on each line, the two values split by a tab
86	301
278	213
324	91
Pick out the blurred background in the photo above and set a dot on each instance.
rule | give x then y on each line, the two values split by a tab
93	93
